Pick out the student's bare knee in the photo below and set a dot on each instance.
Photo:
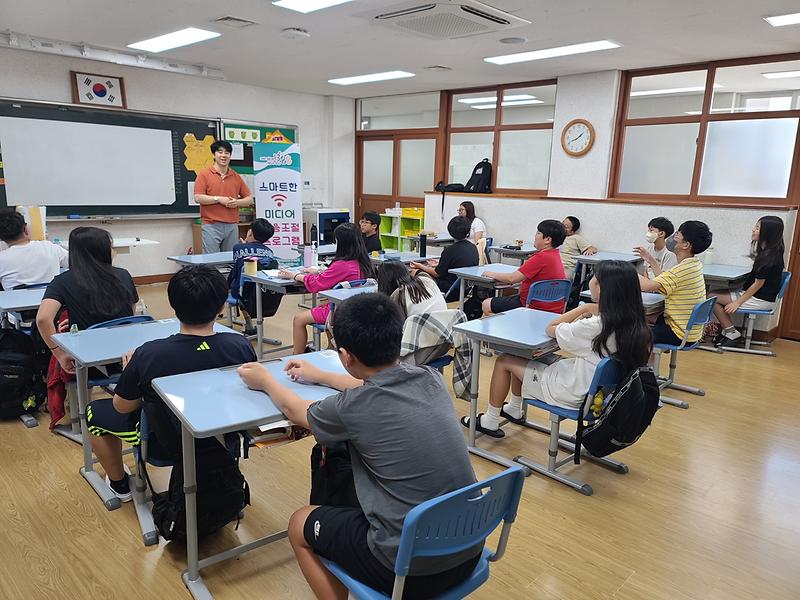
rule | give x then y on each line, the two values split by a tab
487	306
297	523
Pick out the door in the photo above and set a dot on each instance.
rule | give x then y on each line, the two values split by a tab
790	308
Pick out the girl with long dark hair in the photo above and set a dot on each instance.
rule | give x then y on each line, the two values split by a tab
92	290
415	294
477	228
761	287
350	263
614	326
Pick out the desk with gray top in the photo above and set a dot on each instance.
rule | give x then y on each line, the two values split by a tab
653	303
522	253
475	275
342	294
97	347
521	332
16	301
403	257
278	285
212	259
215	402
440	240
727	274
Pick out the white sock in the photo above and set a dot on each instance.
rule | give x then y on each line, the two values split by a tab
514	407
491	419
731	333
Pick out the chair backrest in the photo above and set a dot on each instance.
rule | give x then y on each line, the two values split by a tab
489	244
459	520
608	373
122	321
701	314
785	279
453	289
549	290
356	283
483	255
31	286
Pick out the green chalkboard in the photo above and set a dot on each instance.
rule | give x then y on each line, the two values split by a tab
178	126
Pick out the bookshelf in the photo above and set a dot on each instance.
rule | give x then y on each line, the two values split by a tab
398	231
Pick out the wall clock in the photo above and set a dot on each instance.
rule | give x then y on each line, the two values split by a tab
577	137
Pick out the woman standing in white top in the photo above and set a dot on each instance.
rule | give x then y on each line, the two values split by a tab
615	326
477	228
415	295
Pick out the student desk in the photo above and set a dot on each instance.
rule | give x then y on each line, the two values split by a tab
440	240
475	275
403	257
16	301
215	402
96	347
729	275
343	294
653	303
213	259
521	332
124	245
526	251
599	257
275	284
322	250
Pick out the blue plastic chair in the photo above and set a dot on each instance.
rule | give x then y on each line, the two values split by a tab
487	252
449	524
701	314
549	290
608	374
112	379
750	321
453	290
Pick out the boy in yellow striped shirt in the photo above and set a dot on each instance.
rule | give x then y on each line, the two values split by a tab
683	285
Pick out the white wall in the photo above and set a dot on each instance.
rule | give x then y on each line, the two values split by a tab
326	127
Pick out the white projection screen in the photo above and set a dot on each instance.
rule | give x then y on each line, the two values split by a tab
62	163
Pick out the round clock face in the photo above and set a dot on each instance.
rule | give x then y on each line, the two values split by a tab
577	137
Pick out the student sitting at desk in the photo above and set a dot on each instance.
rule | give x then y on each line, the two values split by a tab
370	223
574	246
462	253
683	285
26	262
196	294
350	263
380	404
416	295
545	264
477	228
613	326
761	287
92	290
254	245
656	255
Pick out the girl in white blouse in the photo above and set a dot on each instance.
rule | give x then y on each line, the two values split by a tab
477	228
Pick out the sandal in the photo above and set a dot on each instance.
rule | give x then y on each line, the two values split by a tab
509	418
495	433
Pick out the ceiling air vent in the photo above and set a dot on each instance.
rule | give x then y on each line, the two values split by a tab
236	22
446	20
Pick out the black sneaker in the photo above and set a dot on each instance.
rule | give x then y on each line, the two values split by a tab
728	342
121	489
248	331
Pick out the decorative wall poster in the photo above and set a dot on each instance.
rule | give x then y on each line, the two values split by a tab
98	90
278	191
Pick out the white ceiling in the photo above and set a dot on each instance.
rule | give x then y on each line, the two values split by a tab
653	33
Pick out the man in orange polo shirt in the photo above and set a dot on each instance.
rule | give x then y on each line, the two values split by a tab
220	191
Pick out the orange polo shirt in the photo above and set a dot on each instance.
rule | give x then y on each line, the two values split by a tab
210	183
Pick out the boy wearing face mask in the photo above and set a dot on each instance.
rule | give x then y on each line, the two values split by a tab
656	255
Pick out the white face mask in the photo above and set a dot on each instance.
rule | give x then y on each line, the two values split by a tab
651	237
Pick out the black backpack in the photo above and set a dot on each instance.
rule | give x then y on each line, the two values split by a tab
450	187
270	300
480	182
624	417
222	493
22	388
332	477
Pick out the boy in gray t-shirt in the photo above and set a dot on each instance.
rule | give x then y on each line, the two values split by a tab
399	459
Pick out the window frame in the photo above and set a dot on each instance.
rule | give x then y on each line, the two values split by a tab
694	198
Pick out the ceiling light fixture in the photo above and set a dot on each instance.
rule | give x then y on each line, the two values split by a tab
307	6
512	103
682	90
176	39
494	99
781	74
372	77
508	59
782	20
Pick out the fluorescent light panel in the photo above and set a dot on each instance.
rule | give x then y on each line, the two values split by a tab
781	20
494	99
508	59
307	6
176	39
781	74
507	103
682	90
371	77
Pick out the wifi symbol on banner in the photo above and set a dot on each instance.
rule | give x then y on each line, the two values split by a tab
279	199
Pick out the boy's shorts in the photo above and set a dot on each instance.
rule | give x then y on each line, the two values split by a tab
340	534
103	419
505	303
663	334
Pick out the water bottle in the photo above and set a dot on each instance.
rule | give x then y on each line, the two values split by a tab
74	328
423	245
708	256
314	255
307	255
314	234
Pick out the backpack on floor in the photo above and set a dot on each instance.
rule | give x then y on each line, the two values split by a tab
222	493
270	300
624	418
22	387
480	182
332	477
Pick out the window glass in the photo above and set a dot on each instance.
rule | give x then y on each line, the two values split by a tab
658	159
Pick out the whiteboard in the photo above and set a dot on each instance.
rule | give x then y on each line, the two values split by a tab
63	163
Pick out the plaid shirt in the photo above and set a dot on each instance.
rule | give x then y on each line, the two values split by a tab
435	329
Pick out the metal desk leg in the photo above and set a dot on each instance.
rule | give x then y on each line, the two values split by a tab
473	414
461	288
191	576
259	322
72	431
87	470
315	334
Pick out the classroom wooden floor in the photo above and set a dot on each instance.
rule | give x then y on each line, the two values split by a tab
709	511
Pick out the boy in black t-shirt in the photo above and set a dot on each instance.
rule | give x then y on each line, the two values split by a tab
463	253
370	223
196	294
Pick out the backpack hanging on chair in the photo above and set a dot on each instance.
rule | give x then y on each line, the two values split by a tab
480	182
